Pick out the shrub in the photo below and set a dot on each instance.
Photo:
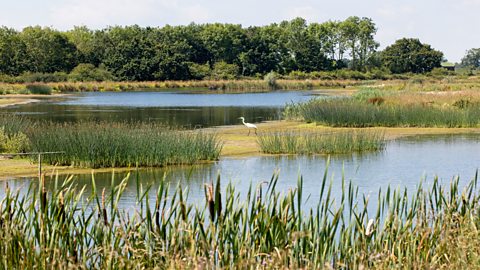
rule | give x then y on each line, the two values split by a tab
39	89
198	71
271	80
224	71
88	72
16	143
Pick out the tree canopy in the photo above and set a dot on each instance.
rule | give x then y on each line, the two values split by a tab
217	50
410	55
471	58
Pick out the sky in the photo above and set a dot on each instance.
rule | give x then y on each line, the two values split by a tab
451	26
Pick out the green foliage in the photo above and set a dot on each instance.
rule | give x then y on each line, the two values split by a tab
34	77
224	71
95	145
472	59
318	143
198	71
410	55
434	226
343	112
39	89
88	72
271	80
134	53
13	143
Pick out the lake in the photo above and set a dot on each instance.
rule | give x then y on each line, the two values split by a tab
403	163
183	108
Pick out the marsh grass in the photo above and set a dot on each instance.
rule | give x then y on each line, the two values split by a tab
321	143
235	86
344	112
94	145
66	227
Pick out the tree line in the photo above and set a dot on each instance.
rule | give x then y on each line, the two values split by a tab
198	51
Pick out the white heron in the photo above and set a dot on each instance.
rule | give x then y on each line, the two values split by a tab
249	126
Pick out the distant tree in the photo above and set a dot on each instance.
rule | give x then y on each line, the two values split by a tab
130	52
12	52
48	50
471	58
410	55
89	44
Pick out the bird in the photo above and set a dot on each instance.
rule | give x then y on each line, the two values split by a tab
249	126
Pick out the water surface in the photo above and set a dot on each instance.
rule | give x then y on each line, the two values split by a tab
403	164
176	108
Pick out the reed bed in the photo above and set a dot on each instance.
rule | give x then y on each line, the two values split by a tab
94	145
343	142
426	228
242	85
344	112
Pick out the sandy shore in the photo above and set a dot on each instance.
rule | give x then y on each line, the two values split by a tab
18	99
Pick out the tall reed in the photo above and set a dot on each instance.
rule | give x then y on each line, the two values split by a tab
342	112
93	145
321	143
434	227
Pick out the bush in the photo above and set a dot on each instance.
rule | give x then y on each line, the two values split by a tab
88	72
224	71
271	80
198	71
16	143
29	77
39	89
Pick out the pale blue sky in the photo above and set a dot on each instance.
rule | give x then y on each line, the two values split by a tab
452	26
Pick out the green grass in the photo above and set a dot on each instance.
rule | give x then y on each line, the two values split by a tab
95	145
345	112
426	228
318	143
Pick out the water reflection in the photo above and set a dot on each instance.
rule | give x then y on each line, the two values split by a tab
180	108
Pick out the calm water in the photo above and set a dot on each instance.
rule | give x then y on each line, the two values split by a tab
178	108
403	164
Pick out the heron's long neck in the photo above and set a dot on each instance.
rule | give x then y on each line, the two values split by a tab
243	121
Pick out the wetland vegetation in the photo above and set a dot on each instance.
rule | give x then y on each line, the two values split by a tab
371	107
433	226
336	142
108	144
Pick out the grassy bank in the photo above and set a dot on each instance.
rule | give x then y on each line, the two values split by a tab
321	143
435	227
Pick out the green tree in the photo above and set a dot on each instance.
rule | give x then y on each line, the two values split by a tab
410	55
471	58
48	50
89	44
12	52
130	52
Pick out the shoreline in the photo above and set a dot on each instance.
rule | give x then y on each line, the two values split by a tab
21	99
236	144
